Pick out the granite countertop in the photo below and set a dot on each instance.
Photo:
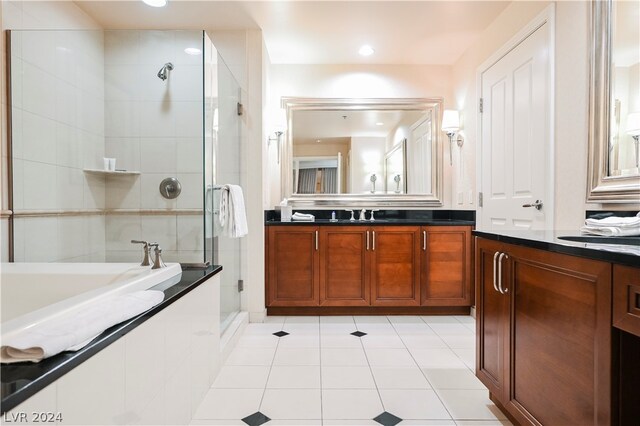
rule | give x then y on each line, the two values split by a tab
22	380
382	218
626	254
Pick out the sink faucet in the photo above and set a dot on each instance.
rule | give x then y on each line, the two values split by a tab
146	248
373	210
363	213
157	262
352	218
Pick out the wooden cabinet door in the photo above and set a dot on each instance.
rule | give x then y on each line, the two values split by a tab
293	266
492	318
344	265
446	266
626	298
395	266
561	350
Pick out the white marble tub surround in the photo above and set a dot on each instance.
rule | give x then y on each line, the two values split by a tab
33	293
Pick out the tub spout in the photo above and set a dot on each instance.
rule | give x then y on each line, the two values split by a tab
146	248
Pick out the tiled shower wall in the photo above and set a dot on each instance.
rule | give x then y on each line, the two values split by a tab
57	131
154	127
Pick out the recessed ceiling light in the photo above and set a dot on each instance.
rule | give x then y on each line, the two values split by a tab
379	123
366	50
156	3
192	51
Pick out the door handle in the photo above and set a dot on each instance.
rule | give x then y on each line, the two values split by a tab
374	240
495	271
317	241
367	240
502	256
424	240
537	205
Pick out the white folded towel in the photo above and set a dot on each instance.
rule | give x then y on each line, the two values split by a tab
613	226
303	217
74	331
233	217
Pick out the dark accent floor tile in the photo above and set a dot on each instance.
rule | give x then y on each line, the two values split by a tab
281	333
387	419
358	333
256	419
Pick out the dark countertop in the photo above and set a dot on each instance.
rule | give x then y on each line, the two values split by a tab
22	380
378	222
548	240
385	217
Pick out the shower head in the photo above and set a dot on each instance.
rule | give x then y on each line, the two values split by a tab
163	74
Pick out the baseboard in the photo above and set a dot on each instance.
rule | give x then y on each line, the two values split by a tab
230	337
368	310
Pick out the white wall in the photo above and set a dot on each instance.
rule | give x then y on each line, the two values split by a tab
57	131
367	158
355	81
154	127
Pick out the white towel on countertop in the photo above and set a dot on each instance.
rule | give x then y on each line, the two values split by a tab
613	226
303	217
74	331
233	217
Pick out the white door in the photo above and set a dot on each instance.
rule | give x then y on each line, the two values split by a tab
516	143
419	158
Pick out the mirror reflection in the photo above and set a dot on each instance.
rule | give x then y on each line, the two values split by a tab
625	90
369	151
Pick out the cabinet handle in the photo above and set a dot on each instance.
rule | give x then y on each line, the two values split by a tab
502	256
424	240
495	270
374	240
367	240
316	240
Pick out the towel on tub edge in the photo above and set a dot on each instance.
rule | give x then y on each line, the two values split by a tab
74	331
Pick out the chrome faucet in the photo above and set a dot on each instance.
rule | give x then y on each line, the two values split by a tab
353	219
363	213
157	261
373	210
146	248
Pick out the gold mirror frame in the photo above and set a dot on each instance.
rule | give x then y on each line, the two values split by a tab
602	188
362	200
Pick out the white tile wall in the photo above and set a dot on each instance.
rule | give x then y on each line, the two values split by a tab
155	127
57	129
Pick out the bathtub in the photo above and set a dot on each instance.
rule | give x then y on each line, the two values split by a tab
32	293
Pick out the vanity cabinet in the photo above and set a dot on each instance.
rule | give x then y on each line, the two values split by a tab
544	334
293	261
351	269
395	266
446	272
345	266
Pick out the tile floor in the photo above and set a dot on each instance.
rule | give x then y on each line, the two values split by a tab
407	370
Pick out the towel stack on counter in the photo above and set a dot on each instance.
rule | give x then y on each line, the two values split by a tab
302	217
613	226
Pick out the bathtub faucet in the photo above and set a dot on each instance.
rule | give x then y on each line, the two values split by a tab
146	248
157	262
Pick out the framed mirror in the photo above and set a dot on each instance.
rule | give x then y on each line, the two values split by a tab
359	152
614	108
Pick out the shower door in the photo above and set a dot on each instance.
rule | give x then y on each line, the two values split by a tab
222	146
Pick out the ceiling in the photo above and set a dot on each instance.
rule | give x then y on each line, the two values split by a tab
322	32
334	126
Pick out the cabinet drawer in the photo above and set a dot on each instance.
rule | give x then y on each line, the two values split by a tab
626	299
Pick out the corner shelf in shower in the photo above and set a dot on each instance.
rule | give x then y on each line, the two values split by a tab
112	173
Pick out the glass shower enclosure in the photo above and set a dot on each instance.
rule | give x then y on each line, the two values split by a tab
119	135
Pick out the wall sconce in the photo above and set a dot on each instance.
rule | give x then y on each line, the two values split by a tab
633	129
451	125
373	180
279	126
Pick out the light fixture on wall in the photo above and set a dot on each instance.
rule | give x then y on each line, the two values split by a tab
366	50
278	126
451	126
633	129
156	3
